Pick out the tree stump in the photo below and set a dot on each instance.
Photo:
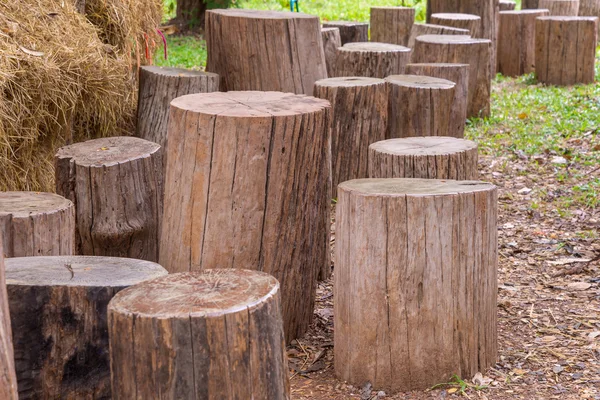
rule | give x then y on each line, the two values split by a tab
116	185
36	224
350	31
249	183
219	337
565	50
8	378
461	49
516	41
331	42
457	73
507	5
265	50
371	59
58	310
470	22
561	7
431	29
424	307
589	8
529	4
392	24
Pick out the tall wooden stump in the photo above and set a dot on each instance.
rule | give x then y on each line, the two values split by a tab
516	41
116	185
371	59
265	50
249	184
58	309
565	49
561	7
424	307
350	31
457	73
219	337
589	8
470	22
529	4
461	49
392	24
431	29
8	378
331	42
507	5
36	224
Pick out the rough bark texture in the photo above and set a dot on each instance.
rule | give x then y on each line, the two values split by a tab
461	49
507	5
418	304
431	29
213	335
371	59
516	41
36	224
8	379
470	22
331	42
350	31
58	309
265	50
190	15
529	4
457	73
561	7
565	49
116	185
589	8
392	24
249	186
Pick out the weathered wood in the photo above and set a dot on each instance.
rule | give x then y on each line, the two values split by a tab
561	7
211	335
8	378
249	186
431	29
461	49
371	59
331	42
36	224
529	4
507	5
470	22
116	186
589	8
565	50
265	50
350	31
418	303
58	309
392	24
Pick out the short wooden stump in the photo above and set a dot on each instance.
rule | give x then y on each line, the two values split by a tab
424	307
350	31
432	29
507	5
392	24
371	59
470	22
331	41
211	335
562	8
8	378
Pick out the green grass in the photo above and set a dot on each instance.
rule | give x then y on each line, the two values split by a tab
183	52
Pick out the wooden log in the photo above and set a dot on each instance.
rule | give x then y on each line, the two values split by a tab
529	4
371	59
470	22
516	41
350	31
561	7
431	29
589	8
457	73
507	5
265	50
117	188
58	309
36	224
249	183
392	24
8	378
331	42
565	50
211	335
461	49
424	307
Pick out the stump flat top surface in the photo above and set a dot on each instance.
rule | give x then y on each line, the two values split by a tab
456	16
24	204
441	65
170	71
423	146
451	39
525	12
349	81
447	28
397	187
250	104
344	23
374	47
108	151
420	81
88	271
260	14
567	18
216	292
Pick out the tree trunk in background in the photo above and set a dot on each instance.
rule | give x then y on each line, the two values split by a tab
189	14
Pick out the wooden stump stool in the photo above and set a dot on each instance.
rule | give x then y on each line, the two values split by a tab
424	307
211	335
371	59
565	50
58	310
507	5
8	378
248	178
392	24
116	185
561	8
331	42
265	50
470	22
529	4
350	31
589	8
36	224
431	29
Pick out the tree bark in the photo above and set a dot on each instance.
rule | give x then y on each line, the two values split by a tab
8	378
470	22
350	31
371	59
392	24
190	15
561	7
529	4
331	42
589	8
507	5
431	29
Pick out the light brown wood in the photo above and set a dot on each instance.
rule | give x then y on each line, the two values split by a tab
565	50
392	24
36	224
560	7
350	31
507	5
58	309
248	186
418	303
431	29
265	50
589	8
470	22
529	4
371	59
331	42
210	335
8	378
117	188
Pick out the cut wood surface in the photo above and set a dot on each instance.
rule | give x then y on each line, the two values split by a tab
371	59
265	50
350	31
392	24
58	309
214	335
424	307
470	22
507	5
560	7
331	42
431	29
8	378
36	224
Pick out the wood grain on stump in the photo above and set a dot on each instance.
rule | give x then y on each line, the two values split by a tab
371	59
58	309
392	24
560	7
331	42
265	50
210	335
589	8
470	22
507	5
424	307
350	31
248	186
431	29
116	185
36	224
529	4
8	378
